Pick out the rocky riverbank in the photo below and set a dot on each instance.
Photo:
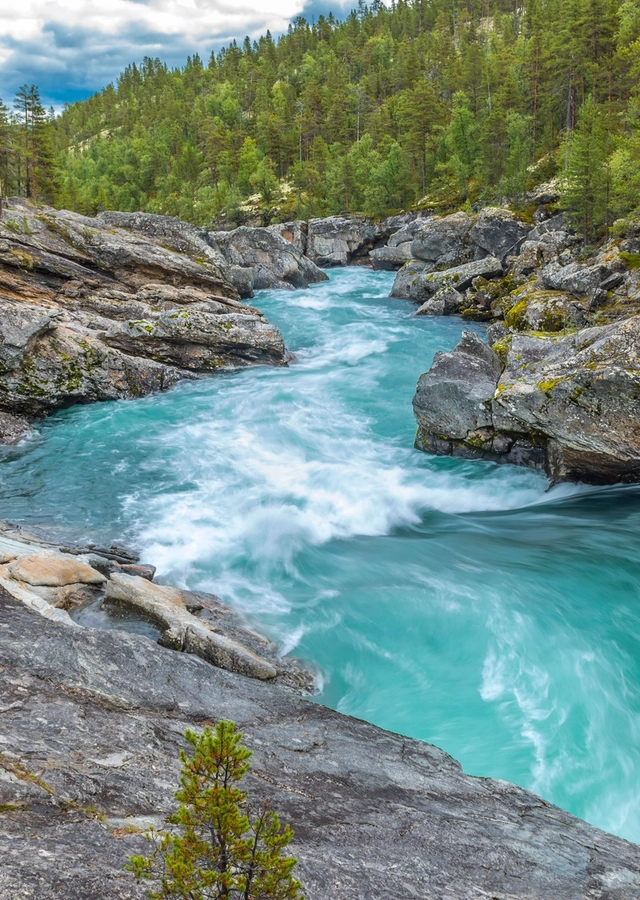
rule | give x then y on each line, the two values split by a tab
92	724
560	387
64	582
122	305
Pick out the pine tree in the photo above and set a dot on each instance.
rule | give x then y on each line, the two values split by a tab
222	849
587	182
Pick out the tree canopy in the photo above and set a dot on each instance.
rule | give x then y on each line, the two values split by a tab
423	101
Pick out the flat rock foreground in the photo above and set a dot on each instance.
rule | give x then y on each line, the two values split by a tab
91	726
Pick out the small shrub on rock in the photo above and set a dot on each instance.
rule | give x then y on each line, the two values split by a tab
218	848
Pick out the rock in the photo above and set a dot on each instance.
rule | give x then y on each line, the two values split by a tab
295	232
456	390
193	339
580	280
548	192
496	332
549	311
275	261
398	249
42	574
13	428
406	277
442	237
243	280
99	718
570	404
445	302
425	284
390	258
141	571
61	581
340	241
53	571
407	231
547	247
33	601
112	307
498	231
167	606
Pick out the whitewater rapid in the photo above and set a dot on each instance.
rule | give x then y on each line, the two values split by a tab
458	602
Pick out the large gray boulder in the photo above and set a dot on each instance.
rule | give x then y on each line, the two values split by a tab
445	302
408	274
498	231
340	241
423	285
570	404
442	237
92	727
276	262
458	389
114	307
580	280
389	258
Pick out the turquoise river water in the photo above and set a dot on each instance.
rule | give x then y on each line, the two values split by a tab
457	602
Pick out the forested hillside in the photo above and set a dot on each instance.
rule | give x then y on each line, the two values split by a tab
452	102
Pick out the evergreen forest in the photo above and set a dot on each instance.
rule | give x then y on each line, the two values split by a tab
427	103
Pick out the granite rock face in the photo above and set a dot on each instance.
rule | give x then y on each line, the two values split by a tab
442	240
277	263
446	244
113	307
340	241
498	232
92	726
568	403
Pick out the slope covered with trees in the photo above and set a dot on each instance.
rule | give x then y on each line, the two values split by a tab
28	164
452	102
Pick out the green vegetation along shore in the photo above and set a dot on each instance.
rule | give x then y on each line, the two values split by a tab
424	103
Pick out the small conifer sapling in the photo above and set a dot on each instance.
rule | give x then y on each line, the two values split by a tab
218	847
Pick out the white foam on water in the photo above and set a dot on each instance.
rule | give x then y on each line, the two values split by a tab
280	460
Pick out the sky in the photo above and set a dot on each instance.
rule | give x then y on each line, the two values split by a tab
72	48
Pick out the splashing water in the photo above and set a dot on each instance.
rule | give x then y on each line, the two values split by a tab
457	602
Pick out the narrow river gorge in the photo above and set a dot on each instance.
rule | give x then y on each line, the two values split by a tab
460	603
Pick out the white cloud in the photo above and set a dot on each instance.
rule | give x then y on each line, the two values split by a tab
72	47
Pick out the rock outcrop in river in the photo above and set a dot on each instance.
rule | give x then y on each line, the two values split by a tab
560	389
92	723
568	404
124	304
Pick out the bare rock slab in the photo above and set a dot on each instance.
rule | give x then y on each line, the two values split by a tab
98	720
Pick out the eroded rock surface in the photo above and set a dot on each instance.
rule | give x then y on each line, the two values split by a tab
112	307
92	724
569	403
276	261
60	583
340	241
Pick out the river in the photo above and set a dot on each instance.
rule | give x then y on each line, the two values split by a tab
457	602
